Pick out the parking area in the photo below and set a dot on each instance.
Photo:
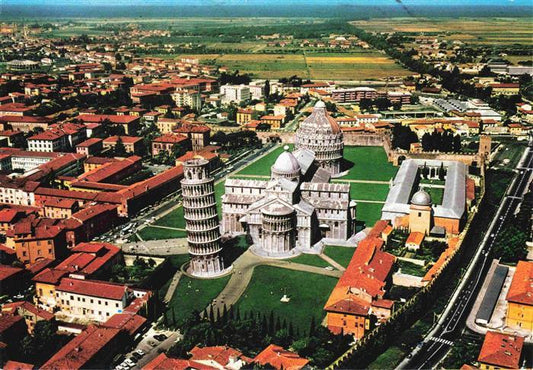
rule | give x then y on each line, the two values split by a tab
152	343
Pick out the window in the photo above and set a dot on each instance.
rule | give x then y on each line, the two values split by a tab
419	214
116	304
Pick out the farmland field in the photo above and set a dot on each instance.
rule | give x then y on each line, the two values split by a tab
469	30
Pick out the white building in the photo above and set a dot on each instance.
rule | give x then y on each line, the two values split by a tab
190	98
235	93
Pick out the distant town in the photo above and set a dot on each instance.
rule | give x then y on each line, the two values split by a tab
278	193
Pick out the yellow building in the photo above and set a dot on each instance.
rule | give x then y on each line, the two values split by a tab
244	116
520	298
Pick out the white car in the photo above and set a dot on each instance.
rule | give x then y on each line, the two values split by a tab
140	352
129	362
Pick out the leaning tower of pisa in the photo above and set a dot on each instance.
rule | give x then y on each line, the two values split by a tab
201	220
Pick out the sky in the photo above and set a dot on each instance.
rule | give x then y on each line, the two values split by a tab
265	2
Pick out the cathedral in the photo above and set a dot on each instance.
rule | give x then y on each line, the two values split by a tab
299	206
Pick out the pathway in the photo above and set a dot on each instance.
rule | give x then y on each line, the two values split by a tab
172	287
369	201
362	181
164	247
332	262
167	227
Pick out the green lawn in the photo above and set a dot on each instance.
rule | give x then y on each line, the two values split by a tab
369	163
308	293
310	259
365	191
262	166
172	219
341	255
369	213
193	294
436	194
156	233
388	359
411	268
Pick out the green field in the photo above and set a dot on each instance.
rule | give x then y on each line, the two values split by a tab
342	255
310	259
369	213
172	219
388	359
308	293
369	163
365	191
193	294
411	268
436	194
156	233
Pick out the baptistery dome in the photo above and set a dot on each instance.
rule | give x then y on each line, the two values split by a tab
321	133
286	165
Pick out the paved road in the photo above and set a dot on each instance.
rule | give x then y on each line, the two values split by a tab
452	322
152	347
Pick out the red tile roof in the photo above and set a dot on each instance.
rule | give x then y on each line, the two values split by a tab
219	354
15	365
92	288
27	306
521	289
163	362
83	349
415	238
8	271
501	350
97	118
8	215
170	138
128	322
89	142
280	358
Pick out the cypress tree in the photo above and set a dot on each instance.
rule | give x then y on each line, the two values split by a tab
271	324
211	314
312	327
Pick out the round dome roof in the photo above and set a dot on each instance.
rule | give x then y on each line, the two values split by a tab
286	162
320	104
421	198
320	121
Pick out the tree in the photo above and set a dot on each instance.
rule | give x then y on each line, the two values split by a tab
510	245
441	172
382	103
365	105
457	143
120	149
267	88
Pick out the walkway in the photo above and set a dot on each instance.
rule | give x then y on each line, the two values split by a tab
165	247
332	262
172	287
167	227
362	181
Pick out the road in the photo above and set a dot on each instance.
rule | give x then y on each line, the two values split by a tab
452	322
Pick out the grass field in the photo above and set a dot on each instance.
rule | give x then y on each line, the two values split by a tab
342	255
308	293
369	163
436	194
193	294
411	268
368	191
262	166
310	259
156	233
369	213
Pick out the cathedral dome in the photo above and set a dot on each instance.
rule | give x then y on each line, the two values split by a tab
421	198
286	163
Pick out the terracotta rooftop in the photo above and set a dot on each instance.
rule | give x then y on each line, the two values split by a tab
92	288
163	362
521	289
279	358
83	349
501	350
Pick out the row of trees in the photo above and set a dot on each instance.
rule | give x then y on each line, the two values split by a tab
441	141
251	332
234	141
